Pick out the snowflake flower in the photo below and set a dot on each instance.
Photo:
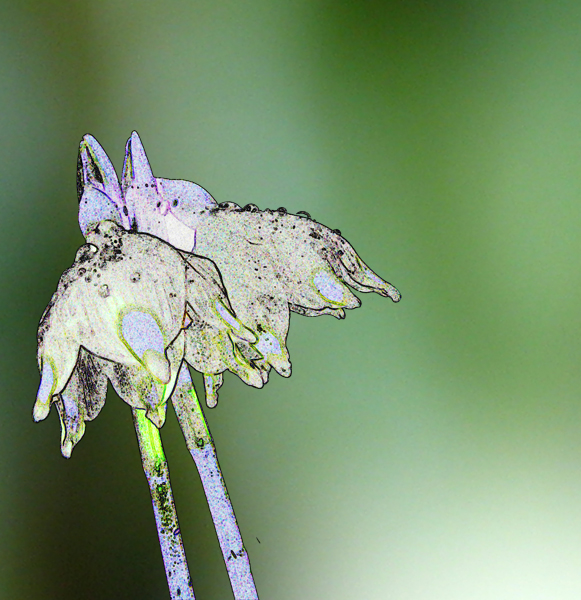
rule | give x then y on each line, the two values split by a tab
129	310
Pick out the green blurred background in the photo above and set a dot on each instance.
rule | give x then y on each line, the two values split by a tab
429	450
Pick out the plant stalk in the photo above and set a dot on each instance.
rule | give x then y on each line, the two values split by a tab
166	518
201	447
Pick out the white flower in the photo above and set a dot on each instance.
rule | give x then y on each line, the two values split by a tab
130	309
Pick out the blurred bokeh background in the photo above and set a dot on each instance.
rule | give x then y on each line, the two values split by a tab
429	450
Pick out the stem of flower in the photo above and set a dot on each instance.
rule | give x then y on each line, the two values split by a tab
201	447
166	518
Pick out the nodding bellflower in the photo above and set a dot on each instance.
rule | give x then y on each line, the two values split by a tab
130	310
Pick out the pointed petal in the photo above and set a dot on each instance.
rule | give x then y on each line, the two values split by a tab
204	278
135	386
142	334
145	203
140	389
72	420
281	364
95	172
333	291
207	296
45	392
136	169
157	415
347	264
239	330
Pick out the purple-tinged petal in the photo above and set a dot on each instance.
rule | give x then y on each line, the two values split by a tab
95	173
45	392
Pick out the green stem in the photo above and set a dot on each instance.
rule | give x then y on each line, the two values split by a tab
201	447
166	518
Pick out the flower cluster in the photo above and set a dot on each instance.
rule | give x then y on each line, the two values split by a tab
272	262
134	305
169	278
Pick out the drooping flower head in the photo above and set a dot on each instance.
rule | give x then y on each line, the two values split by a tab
271	262
129	310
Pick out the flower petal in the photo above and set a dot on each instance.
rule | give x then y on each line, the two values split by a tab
136	386
98	187
72	423
128	274
45	393
57	354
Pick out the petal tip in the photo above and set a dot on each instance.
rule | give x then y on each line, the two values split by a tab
40	411
211	385
393	293
67	449
282	367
